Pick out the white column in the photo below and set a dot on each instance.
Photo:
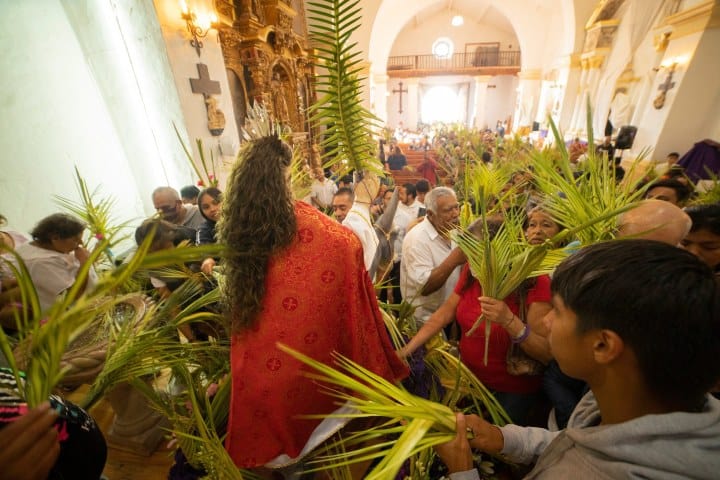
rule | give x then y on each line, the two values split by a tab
571	93
527	99
589	81
378	96
478	115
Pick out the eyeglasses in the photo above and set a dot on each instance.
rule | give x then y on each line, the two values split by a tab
166	208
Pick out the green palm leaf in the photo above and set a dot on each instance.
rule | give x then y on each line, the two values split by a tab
426	423
97	214
347	139
593	198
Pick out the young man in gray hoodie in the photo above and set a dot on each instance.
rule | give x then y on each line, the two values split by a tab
639	321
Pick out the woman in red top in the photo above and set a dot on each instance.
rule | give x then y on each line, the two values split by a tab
516	393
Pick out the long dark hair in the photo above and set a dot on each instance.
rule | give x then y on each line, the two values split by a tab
215	194
258	219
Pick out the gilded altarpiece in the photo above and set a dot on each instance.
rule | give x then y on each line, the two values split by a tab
266	53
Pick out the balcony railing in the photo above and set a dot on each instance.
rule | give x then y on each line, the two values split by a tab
458	61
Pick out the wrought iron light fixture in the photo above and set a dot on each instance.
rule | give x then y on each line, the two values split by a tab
198	25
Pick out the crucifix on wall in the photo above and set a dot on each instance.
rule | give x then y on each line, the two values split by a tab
207	87
664	87
400	91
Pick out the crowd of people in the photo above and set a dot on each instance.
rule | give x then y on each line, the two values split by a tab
617	344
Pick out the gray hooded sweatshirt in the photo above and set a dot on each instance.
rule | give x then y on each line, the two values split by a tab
671	446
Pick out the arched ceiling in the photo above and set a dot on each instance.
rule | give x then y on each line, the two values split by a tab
538	24
472	11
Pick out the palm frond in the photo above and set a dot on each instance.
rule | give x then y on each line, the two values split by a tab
259	123
425	423
347	140
206	174
582	199
300	180
97	215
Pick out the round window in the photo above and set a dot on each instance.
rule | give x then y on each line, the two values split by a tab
442	48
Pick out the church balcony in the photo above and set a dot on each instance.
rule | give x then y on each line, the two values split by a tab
472	63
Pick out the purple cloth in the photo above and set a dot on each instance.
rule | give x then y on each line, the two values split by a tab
702	158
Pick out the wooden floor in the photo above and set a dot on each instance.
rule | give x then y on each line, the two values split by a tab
123	465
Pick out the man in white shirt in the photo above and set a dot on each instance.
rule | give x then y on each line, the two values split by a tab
356	216
408	201
322	191
431	262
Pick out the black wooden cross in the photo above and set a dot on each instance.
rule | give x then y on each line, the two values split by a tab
400	91
203	84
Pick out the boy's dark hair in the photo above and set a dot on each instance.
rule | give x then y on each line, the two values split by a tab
705	217
189	191
410	189
422	186
61	225
661	300
681	190
345	191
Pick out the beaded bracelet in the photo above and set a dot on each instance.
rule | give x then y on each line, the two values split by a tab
524	334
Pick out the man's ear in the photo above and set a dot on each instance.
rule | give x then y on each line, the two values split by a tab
607	346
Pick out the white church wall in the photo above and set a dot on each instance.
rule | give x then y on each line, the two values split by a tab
418	39
56	113
500	100
694	102
183	61
652	124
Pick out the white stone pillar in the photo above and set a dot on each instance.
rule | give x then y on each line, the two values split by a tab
527	99
589	81
571	96
478	114
379	96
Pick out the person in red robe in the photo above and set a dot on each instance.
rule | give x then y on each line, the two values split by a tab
296	277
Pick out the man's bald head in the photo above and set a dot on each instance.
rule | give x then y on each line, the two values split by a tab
655	220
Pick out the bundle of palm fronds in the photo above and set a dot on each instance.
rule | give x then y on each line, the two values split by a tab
491	189
44	336
500	260
460	383
97	214
412	424
575	199
347	142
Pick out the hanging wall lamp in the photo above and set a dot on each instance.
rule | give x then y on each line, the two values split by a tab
198	25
